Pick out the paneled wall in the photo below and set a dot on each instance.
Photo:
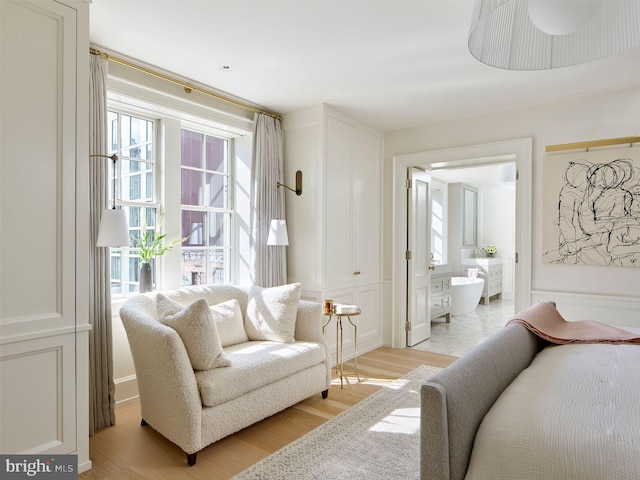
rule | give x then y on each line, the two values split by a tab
44	230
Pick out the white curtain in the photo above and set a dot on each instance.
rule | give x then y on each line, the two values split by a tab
101	385
269	263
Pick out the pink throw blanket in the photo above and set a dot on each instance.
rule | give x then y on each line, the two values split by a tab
545	321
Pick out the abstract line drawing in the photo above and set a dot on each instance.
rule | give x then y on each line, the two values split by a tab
597	214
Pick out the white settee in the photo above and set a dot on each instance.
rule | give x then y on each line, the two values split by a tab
196	389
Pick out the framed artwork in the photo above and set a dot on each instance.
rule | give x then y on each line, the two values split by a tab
591	208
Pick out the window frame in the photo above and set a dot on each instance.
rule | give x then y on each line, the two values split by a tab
229	243
127	254
167	270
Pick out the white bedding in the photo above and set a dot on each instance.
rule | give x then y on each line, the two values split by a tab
574	413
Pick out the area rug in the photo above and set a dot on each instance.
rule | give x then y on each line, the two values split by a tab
377	438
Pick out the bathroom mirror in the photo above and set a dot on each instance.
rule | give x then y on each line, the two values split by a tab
469	217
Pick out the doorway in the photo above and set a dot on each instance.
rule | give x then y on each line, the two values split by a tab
476	155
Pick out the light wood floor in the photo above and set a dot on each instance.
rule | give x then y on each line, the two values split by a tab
129	451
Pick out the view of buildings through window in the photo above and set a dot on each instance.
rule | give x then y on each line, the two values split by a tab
206	210
133	140
206	216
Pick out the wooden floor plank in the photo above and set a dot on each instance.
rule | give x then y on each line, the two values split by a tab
128	451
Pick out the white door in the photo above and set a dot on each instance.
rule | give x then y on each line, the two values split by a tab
418	256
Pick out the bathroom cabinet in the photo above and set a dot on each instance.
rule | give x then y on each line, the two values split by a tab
490	270
441	296
492	282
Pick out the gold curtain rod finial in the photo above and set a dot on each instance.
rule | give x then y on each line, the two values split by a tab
298	189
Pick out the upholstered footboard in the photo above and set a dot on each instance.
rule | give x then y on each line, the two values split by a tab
455	401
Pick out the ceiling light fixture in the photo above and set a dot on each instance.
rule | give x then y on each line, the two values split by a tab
545	34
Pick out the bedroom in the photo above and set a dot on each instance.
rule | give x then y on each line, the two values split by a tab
555	107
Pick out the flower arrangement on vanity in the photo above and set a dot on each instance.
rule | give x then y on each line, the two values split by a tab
490	250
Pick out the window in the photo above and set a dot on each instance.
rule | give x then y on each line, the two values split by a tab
132	138
180	165
206	209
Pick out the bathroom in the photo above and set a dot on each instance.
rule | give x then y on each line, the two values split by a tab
473	214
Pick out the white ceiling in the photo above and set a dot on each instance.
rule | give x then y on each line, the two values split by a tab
393	64
476	176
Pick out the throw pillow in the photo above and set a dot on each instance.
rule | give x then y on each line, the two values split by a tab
197	329
271	313
229	322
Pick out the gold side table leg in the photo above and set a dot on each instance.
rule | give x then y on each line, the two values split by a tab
340	360
337	348
326	323
355	347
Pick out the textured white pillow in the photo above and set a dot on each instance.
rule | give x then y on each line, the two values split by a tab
197	329
271	313
229	322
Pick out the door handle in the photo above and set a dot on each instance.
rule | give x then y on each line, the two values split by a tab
431	267
356	273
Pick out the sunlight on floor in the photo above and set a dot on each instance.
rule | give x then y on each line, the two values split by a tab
403	420
391	383
380	382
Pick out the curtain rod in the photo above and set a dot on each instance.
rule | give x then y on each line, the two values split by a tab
187	87
594	143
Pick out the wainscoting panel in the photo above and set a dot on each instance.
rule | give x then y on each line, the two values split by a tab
38	417
611	309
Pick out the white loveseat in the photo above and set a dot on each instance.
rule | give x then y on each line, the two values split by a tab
259	370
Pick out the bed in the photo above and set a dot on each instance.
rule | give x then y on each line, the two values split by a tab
520	407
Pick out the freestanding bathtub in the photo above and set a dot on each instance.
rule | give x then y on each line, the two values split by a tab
465	294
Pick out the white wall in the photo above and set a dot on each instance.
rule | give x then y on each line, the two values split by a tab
607	115
454	232
496	224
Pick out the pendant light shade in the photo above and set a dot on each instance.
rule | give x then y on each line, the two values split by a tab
562	17
545	34
114	229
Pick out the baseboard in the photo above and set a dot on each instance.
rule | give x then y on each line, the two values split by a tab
126	390
84	466
623	311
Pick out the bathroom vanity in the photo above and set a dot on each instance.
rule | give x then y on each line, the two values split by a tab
490	269
440	298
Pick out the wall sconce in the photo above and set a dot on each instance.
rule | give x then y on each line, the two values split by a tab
278	233
298	190
114	228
